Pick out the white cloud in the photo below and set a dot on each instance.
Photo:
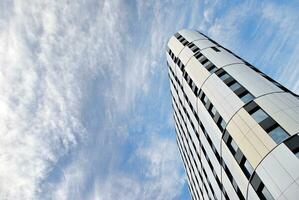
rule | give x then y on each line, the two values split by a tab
160	168
282	20
47	58
66	66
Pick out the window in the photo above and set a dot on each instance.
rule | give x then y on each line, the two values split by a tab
256	182
232	146
190	45
266	194
222	124
293	144
259	115
247	97
215	49
195	49
208	65
248	169
205	99
213	110
213	69
204	61
185	42
198	55
278	134
224	76
235	86
235	185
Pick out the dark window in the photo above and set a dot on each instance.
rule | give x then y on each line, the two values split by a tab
251	107
260	188
215	49
195	49
190	45
185	42
255	182
226	137
268	124
235	185
239	155
204	61
213	70
178	36
293	144
198	55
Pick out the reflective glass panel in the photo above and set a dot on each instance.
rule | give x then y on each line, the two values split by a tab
259	115
278	135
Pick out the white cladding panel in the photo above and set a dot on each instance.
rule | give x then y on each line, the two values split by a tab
211	155
191	96
268	181
282	163
221	96
175	45
191	35
197	72
188	148
236	171
221	58
283	108
252	81
250	137
211	178
185	55
211	128
252	194
170	62
291	192
228	187
191	173
287	160
277	183
203	43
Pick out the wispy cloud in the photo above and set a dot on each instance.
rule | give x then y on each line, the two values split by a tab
85	108
72	74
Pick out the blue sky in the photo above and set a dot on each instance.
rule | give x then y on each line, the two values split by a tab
84	92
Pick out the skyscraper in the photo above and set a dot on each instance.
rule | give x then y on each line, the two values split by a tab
237	129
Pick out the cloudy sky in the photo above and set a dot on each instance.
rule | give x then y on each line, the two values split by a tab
85	109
